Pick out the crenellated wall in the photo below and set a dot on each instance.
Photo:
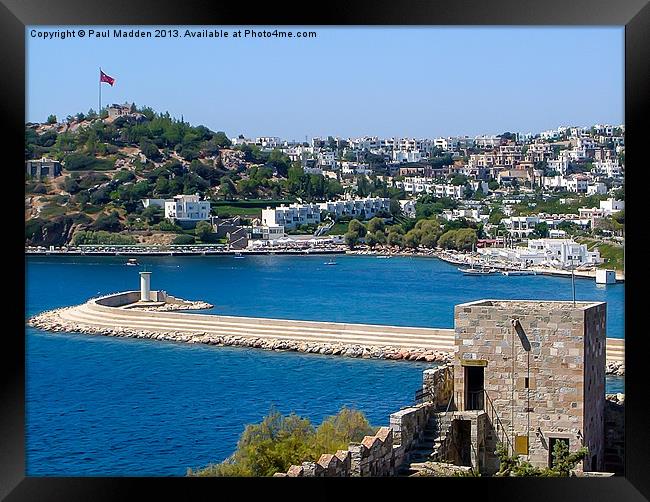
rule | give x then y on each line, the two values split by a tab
438	385
379	455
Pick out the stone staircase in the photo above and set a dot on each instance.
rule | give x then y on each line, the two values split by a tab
432	444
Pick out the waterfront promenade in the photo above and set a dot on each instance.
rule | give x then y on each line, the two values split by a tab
114	315
453	257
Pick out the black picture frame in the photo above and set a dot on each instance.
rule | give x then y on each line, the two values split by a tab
633	14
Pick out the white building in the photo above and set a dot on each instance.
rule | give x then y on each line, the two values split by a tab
268	142
357	208
564	252
557	253
520	226
187	208
467	213
408	207
406	156
608	167
611	206
487	141
264	232
327	159
153	202
596	189
291	216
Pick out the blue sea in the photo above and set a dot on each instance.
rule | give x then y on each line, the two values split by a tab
121	407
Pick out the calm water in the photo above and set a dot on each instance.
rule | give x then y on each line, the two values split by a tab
104	406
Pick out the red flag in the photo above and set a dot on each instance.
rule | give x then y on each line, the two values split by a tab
105	78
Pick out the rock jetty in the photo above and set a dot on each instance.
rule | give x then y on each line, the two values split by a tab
169	307
52	321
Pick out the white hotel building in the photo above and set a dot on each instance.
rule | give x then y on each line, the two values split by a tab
557	253
187	209
291	216
357	208
183	208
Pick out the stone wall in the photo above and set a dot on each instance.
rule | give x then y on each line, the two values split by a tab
379	455
562	338
614	452
594	386
119	299
438	385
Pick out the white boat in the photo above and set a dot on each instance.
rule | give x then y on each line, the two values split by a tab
384	256
331	262
477	271
132	262
239	255
519	272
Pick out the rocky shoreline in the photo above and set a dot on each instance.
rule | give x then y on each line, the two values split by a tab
170	307
616	368
52	321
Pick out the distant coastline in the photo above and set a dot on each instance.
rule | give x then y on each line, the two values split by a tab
446	256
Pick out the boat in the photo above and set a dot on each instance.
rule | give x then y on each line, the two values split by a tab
477	271
483	270
132	262
330	262
519	272
383	256
239	255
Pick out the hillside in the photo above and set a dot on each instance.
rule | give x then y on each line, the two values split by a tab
110	164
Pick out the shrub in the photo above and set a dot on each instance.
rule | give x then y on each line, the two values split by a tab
39	188
203	230
563	462
183	239
108	222
101	237
80	162
280	441
168	226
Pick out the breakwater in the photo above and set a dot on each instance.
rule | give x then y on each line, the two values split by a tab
108	316
119	315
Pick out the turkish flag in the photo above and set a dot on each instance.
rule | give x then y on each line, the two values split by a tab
105	78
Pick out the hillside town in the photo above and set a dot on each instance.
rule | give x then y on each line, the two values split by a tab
129	176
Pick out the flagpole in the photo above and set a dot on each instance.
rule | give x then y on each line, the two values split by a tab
99	112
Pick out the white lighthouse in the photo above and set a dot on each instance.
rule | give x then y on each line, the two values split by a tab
145	286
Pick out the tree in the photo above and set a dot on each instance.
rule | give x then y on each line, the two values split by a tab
152	214
183	240
376	224
203	230
221	140
363	186
448	240
51	119
380	237
541	230
370	240
496	215
357	227
149	150
227	188
465	239
280	441
412	239
395	238
351	238
108	222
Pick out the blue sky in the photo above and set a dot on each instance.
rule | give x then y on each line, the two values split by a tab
352	81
